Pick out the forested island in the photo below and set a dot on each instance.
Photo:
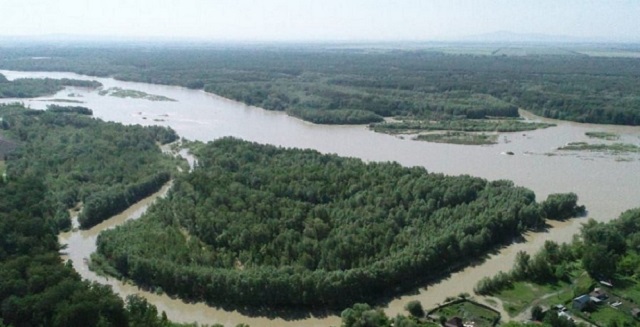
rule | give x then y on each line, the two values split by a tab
35	87
342	85
256	225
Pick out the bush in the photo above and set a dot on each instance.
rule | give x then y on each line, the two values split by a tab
415	308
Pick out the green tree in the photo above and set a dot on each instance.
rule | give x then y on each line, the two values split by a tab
537	313
415	308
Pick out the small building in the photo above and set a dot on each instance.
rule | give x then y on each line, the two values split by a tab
581	302
454	322
598	296
635	312
606	283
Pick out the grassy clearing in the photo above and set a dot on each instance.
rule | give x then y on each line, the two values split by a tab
134	94
525	294
459	138
603	135
469	311
606	314
615	148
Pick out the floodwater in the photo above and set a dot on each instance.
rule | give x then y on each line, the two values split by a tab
606	184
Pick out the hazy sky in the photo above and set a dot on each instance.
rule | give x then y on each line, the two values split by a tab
288	20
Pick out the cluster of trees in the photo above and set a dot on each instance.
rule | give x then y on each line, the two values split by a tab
464	125
263	226
34	87
70	109
105	203
363	315
604	250
36	288
550	264
417	83
81	159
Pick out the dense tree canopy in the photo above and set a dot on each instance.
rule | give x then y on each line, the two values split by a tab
106	166
36	288
260	225
34	87
329	85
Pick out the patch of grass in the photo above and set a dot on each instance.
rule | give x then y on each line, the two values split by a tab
468	311
605	314
459	138
628	289
126	93
526	294
460	125
615	148
603	135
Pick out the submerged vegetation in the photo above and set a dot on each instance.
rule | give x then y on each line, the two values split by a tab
134	94
298	228
361	85
615	148
459	138
410	126
603	135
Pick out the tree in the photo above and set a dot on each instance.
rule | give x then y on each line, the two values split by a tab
562	206
598	261
537	313
362	315
415	308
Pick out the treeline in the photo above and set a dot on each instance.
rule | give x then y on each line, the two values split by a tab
260	226
35	87
411	83
85	160
70	109
104	204
606	251
463	125
36	288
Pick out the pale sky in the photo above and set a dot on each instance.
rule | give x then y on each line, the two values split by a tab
319	20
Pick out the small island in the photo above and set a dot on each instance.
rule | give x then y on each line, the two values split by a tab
134	94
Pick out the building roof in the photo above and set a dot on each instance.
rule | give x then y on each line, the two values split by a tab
454	322
584	298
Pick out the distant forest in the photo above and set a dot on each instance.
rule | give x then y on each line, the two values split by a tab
353	86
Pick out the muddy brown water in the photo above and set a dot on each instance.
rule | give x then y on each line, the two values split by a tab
606	184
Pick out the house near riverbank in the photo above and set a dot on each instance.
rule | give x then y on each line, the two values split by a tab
581	302
454	322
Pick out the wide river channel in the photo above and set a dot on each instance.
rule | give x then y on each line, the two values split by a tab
606	184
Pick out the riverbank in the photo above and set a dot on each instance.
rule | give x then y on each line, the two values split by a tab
606	187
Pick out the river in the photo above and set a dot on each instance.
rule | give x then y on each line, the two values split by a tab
606	184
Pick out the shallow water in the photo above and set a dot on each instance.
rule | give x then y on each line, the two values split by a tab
607	184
